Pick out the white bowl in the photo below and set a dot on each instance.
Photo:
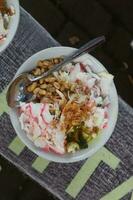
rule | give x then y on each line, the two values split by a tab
12	25
95	144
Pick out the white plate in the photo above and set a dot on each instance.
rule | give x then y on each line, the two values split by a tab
95	144
12	25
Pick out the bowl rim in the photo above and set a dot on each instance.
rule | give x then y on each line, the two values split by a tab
14	22
54	157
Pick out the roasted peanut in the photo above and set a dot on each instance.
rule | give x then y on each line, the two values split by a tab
43	86
44	67
49	85
56	60
37	72
40	63
31	87
46	63
50	79
42	92
41	81
36	90
47	79
52	89
42	70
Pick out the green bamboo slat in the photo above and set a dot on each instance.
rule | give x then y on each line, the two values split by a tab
40	164
88	168
16	146
120	191
3	105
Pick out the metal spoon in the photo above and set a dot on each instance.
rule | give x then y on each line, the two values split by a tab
17	90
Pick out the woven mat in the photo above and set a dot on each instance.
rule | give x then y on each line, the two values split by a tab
108	175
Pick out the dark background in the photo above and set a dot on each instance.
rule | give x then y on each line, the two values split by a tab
72	23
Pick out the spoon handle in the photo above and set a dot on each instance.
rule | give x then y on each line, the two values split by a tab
89	46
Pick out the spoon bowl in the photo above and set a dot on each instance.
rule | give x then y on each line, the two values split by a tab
17	91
